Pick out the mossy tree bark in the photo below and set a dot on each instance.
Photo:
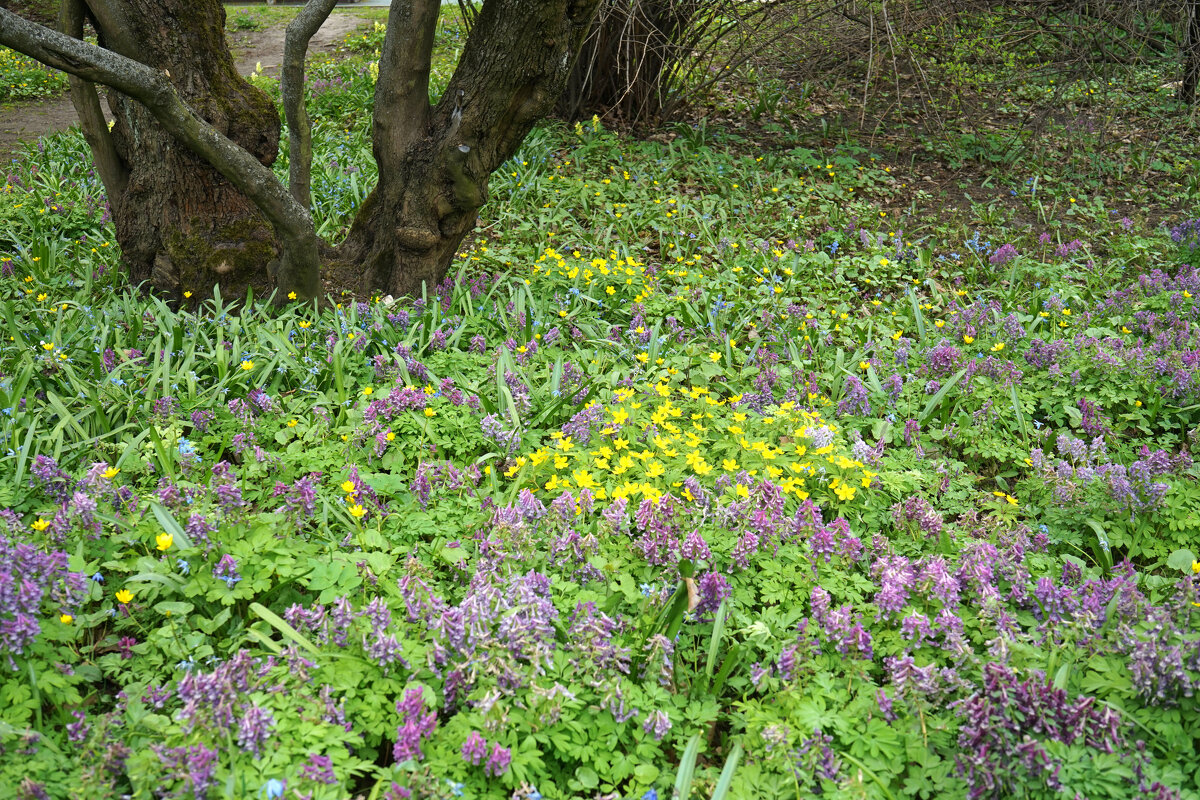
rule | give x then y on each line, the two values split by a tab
186	162
180	223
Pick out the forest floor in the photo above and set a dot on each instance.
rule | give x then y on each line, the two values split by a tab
28	120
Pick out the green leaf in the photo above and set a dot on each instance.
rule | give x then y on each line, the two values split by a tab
936	400
687	769
1181	560
588	777
727	772
271	618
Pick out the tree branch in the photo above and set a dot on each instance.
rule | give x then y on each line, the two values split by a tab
114	174
292	223
402	92
111	27
299	33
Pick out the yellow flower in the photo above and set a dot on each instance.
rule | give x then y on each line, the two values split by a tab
247	365
844	491
164	541
643	357
66	619
291	295
111	473
1195	566
368	391
714	356
968	339
429	412
357	511
997	347
47	345
187	294
348	486
864	365
40	525
304	323
391	436
291	423
124	596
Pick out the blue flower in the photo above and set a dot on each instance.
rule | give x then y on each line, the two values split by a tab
272	789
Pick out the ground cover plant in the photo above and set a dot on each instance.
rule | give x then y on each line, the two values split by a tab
706	473
22	78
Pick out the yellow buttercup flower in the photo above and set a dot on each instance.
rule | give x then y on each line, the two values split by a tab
247	365
291	295
164	541
111	472
124	596
40	525
66	619
429	412
357	511
348	486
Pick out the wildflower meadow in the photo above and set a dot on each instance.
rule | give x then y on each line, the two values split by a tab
721	465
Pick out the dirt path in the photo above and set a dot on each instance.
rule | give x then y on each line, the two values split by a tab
29	120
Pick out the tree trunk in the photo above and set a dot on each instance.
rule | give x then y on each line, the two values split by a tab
180	224
434	162
187	162
625	62
1191	57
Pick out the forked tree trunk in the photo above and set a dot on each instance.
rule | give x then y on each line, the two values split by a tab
434	162
180	224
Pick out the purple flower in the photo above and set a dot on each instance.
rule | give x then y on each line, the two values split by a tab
416	724
320	769
29	579
1003	255
194	765
657	724
498	761
255	725
474	749
227	570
